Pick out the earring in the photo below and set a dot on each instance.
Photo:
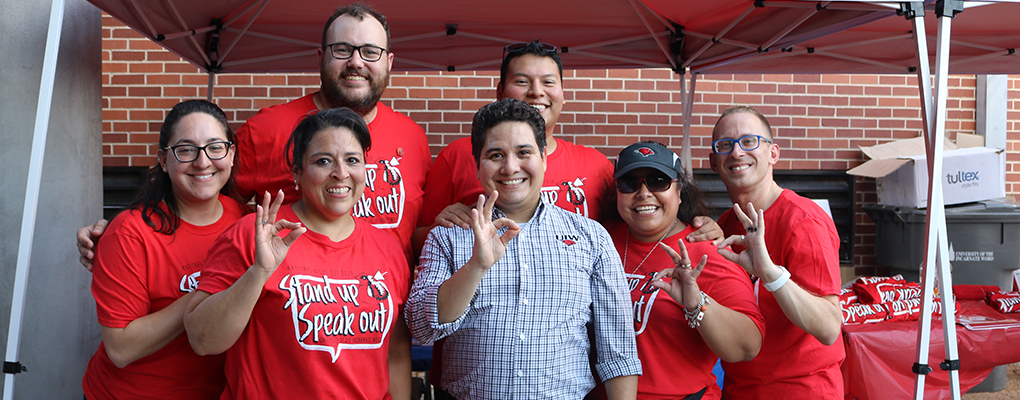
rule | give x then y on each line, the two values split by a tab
296	186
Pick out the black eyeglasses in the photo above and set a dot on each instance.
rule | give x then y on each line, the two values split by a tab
516	47
654	183
344	51
747	143
189	152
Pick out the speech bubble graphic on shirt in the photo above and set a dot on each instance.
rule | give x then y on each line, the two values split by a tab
331	314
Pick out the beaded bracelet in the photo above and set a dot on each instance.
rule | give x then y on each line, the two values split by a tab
694	317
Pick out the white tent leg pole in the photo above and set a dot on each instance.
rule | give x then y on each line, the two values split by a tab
936	247
921	367
35	166
936	208
209	87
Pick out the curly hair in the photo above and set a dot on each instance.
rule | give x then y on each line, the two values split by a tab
505	110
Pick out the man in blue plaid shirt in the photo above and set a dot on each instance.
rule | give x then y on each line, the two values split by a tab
513	296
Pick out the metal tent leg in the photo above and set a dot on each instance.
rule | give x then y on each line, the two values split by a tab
42	120
936	247
687	97
209	87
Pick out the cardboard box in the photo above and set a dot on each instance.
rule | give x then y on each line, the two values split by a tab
901	173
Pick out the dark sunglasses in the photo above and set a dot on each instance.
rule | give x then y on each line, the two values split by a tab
654	183
515	47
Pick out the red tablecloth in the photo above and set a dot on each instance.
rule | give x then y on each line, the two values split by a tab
879	356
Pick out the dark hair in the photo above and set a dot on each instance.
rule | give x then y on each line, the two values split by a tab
357	10
501	111
534	47
158	188
692	200
312	124
746	110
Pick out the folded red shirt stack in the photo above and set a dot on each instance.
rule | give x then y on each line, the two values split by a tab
1005	302
876	299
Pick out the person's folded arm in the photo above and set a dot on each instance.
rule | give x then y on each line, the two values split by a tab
145	335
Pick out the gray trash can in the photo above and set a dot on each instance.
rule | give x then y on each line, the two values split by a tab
984	248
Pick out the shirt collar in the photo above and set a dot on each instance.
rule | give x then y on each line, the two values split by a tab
537	218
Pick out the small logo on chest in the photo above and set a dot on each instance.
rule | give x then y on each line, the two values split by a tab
568	240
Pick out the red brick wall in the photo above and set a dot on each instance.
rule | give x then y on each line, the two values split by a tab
820	119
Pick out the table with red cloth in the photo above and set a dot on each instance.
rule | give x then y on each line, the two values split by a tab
879	357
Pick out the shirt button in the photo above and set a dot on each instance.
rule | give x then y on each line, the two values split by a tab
520	373
525	301
524	265
522	336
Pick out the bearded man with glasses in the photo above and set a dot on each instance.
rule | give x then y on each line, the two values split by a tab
354	67
794	267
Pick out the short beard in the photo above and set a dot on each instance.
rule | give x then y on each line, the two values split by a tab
335	96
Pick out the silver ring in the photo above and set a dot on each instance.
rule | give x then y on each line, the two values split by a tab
264	222
686	266
741	237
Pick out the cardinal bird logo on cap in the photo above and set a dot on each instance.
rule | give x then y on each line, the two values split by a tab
645	151
569	242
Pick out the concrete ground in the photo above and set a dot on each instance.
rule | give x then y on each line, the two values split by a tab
1012	391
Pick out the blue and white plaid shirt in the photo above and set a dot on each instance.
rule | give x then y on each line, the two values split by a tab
524	336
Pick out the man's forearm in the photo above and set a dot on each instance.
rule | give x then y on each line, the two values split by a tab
819	316
454	296
622	387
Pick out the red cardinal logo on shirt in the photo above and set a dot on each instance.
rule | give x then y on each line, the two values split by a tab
645	151
569	242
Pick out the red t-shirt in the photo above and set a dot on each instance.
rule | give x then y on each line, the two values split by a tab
138	272
792	364
396	164
321	327
577	179
666	345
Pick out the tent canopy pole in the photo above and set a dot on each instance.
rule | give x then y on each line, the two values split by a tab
42	121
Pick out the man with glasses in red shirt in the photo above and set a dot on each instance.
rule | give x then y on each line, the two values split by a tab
797	284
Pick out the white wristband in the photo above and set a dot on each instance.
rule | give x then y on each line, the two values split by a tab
779	282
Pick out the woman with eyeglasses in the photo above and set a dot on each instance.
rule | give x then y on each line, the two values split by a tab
306	300
149	260
691	306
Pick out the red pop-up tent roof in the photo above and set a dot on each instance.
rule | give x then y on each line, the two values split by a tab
719	36
984	37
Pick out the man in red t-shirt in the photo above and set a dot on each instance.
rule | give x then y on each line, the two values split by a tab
797	285
577	178
354	66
